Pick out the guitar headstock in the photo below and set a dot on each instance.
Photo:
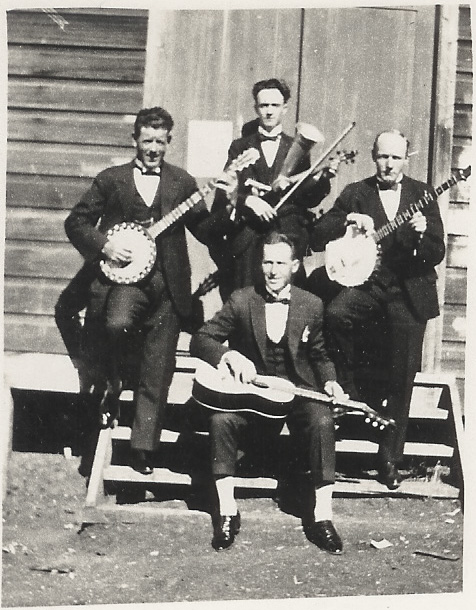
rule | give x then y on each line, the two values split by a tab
463	174
247	157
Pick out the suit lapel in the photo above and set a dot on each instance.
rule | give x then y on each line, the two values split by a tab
128	190
258	322
297	313
165	197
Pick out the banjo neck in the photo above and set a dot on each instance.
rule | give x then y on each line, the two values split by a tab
248	157
427	198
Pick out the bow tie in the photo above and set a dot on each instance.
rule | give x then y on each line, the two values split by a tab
146	171
269	298
266	138
384	186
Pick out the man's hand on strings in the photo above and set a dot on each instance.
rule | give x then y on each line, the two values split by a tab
237	366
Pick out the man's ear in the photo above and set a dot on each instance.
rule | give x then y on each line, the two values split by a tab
295	265
285	108
169	138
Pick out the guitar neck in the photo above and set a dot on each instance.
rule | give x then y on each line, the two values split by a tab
314	394
401	218
172	217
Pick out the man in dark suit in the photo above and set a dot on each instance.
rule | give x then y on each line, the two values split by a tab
273	328
253	215
402	288
143	191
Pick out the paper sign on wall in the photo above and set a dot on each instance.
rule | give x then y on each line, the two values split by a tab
207	150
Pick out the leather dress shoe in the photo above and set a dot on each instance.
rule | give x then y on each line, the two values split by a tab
225	530
141	461
324	535
388	475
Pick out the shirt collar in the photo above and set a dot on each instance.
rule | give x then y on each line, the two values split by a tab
145	170
285	293
274	133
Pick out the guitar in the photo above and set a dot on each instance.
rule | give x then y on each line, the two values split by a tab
267	396
351	259
141	241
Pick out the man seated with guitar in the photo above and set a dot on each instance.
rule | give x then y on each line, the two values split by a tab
393	240
273	328
253	209
122	201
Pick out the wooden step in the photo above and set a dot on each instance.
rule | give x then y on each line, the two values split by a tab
412	487
123	433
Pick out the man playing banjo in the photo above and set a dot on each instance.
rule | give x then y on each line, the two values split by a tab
103	227
399	284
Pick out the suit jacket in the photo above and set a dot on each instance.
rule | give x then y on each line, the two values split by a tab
108	202
307	196
404	255
242	323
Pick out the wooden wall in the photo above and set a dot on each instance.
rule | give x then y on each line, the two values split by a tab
73	94
454	314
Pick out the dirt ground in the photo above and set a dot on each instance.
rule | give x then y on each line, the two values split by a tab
49	559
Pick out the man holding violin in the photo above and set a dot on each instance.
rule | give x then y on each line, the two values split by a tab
252	196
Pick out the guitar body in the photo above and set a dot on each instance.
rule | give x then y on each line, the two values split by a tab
144	253
351	259
213	392
267	396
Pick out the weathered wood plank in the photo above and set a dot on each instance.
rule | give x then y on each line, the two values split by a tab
52	192
100	28
32	334
80	64
464	88
464	27
41	260
70	127
35	225
462	153
463	121
465	57
453	355
64	160
32	295
458	221
457	251
115	98
454	323
456	286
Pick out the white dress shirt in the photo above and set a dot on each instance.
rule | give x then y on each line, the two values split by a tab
270	147
146	185
277	316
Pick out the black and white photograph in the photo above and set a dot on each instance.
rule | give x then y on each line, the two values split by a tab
238	252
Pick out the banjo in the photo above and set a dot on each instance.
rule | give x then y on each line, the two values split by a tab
267	396
351	259
141	241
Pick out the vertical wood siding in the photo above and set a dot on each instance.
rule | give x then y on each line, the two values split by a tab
73	94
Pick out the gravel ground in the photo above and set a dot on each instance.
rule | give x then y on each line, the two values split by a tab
49	559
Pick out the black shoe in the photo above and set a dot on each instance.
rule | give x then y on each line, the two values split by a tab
388	475
225	530
324	535
141	461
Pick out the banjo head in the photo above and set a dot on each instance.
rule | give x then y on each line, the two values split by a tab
143	249
351	259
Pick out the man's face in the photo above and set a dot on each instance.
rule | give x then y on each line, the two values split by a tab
270	108
390	157
278	266
151	146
